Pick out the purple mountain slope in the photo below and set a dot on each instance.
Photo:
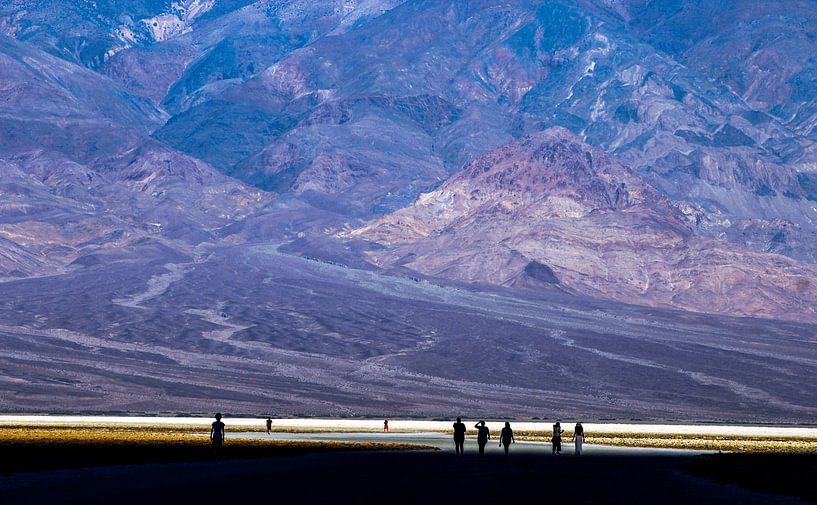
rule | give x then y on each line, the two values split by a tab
39	86
769	44
91	33
509	67
499	71
228	44
80	171
356	108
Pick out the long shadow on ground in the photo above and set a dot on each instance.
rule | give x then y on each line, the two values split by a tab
428	478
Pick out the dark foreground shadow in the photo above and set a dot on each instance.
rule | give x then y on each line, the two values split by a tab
426	478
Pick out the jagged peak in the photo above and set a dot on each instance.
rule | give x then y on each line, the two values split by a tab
557	163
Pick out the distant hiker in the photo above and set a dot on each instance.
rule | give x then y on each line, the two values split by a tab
578	438
557	438
217	434
269	425
459	437
386	425
506	437
483	435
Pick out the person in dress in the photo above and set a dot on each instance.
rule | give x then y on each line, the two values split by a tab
578	438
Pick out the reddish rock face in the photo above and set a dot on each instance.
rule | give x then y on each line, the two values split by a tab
548	209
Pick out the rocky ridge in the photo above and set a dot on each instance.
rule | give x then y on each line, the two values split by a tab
549	209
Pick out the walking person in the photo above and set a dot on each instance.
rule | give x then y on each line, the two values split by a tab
483	435
386	425
578	438
506	437
459	437
217	435
557	438
269	425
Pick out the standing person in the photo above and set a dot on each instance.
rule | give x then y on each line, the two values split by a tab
269	425
217	434
557	438
459	437
506	437
578	438
386	425
483	435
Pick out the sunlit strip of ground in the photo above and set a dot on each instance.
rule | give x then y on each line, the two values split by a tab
736	438
27	449
362	425
770	444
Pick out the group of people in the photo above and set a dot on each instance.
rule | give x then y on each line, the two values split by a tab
506	437
483	436
578	438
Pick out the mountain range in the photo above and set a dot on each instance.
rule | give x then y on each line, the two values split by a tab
356	108
654	153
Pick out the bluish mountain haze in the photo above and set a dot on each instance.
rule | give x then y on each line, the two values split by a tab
658	153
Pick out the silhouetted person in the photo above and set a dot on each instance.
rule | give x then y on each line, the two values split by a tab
578	438
386	425
506	437
217	434
483	435
557	438
269	425
459	437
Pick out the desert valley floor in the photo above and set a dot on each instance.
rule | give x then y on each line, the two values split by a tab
250	329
